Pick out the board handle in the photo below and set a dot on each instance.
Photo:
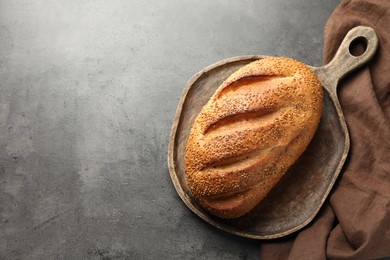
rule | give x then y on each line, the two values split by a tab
344	61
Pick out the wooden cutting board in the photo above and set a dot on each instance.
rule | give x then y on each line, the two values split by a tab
301	192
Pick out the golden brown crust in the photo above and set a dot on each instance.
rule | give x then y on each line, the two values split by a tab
254	127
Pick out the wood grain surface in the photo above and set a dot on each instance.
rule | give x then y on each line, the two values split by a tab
298	197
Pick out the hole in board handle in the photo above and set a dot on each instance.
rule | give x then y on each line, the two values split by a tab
358	46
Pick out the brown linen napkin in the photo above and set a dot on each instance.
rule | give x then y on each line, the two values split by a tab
354	222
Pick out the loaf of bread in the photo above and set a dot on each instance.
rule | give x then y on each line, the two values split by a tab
254	127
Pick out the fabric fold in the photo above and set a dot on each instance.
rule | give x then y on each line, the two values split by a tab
354	222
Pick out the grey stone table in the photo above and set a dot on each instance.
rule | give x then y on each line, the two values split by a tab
88	92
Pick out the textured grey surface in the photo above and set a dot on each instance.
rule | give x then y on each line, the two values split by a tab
88	92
